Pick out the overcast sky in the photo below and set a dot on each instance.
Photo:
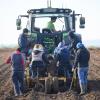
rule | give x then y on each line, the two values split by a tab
10	9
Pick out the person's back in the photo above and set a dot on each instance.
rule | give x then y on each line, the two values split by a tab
23	42
37	54
38	60
83	57
17	61
64	56
50	24
18	67
82	63
64	65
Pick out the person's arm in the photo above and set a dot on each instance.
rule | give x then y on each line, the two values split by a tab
23	61
8	60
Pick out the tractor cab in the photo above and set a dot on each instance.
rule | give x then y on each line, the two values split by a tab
37	20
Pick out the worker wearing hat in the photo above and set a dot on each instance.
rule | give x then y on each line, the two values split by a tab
17	61
24	42
82	63
38	60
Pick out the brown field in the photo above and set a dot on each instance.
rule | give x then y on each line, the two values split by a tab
94	81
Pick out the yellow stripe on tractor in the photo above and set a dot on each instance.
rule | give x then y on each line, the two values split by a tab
59	78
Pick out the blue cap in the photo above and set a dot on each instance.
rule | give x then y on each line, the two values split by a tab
79	45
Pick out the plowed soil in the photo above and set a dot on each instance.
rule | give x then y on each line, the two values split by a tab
6	89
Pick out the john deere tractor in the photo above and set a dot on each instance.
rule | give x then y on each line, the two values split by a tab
36	24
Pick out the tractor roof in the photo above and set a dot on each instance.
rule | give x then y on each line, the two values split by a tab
49	11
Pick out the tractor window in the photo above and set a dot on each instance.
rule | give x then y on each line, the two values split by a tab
41	23
60	24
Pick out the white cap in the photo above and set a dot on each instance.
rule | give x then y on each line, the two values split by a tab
38	47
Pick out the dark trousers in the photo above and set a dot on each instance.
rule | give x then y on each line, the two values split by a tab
65	69
18	81
38	68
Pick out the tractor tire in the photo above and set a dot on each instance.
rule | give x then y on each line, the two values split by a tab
55	85
39	87
48	85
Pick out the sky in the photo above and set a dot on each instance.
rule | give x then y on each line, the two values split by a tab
10	9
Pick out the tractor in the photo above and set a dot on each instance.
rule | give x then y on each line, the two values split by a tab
38	33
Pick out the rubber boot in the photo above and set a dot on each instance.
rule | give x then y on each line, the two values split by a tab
82	87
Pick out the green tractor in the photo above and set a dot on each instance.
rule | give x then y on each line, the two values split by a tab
37	21
38	33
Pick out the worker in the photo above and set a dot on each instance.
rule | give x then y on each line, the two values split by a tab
39	59
63	60
74	40
50	24
18	66
82	63
64	66
23	41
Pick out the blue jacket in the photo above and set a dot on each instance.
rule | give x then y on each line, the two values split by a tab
17	61
64	58
23	41
82	58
